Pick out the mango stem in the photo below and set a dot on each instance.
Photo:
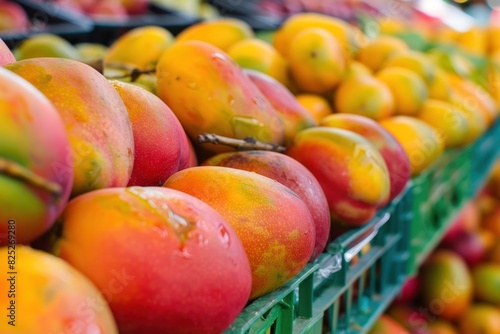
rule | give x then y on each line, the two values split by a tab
131	72
22	173
248	143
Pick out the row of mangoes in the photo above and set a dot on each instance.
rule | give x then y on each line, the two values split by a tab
116	161
456	290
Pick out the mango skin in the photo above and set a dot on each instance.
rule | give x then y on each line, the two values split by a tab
446	285
317	61
96	120
421	142
222	33
350	170
161	249
387	325
295	117
6	56
52	297
210	93
160	144
32	135
486	278
396	159
480	318
130	48
290	173
273	223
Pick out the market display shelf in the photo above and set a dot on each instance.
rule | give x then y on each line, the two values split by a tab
346	288
349	286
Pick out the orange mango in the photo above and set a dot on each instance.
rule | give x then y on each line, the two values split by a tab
222	33
210	93
387	325
486	278
50	296
273	223
317	106
480	319
376	53
317	61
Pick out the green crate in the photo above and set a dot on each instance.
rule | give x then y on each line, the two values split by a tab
323	297
484	154
438	194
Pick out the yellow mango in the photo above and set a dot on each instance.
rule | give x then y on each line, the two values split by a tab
376	53
317	61
222	33
415	61
140	47
255	54
294	25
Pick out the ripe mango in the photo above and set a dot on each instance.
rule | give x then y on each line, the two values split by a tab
160	144
448	120
6	56
387	325
486	278
480	319
140	47
317	61
421	142
51	297
351	171
258	55
210	93
295	118
159	248
274	224
364	95
375	54
408	89
222	33
446	285
441	327
396	159
33	137
415	61
340	30
96	120
317	106
290	173
440	88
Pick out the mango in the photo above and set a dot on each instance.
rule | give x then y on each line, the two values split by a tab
409	317
290	173
486	278
480	319
407	88
210	93
387	325
50	296
396	159
33	139
440	88
376	53
474	41
91	52
421	142
448	120
476	120
96	120
472	96
415	61
316	105
441	327
6	56
159	248
258	55
45	45
340	30
350	170
446	285
273	223
294	117
160	145
140	47
317	61
147	81
356	68
222	33
364	95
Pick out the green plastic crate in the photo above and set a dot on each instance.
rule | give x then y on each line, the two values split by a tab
334	294
484	154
